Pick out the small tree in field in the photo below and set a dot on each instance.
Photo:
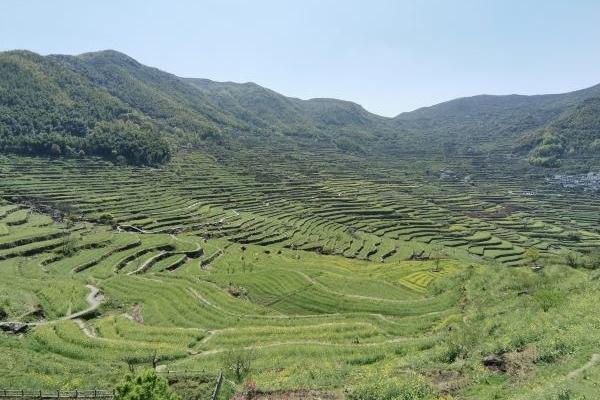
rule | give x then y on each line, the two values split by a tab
572	260
437	254
533	255
145	385
238	362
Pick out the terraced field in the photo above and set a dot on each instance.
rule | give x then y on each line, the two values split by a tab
335	260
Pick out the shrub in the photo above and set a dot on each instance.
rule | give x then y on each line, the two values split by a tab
459	343
572	259
238	362
533	255
366	359
193	387
547	298
106	218
145	385
573	236
552	351
592	261
55	149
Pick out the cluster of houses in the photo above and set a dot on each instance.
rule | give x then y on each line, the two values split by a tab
588	182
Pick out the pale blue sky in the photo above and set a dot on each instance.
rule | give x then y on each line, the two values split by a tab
389	56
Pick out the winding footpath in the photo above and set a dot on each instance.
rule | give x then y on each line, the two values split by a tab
94	299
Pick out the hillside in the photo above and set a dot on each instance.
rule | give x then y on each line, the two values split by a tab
108	104
328	273
334	123
46	109
302	248
489	123
575	133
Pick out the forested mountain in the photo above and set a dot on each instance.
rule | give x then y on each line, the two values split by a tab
574	133
489	123
325	122
108	104
47	109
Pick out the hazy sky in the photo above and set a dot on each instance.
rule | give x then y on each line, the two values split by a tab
389	56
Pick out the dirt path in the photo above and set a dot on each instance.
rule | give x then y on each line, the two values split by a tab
177	239
86	329
235	214
303	342
355	296
202	299
94	299
594	359
124	228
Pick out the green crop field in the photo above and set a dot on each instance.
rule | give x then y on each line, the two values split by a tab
330	273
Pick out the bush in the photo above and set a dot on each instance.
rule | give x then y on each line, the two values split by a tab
106	218
547	298
238	362
592	261
573	236
552	351
459	344
193	387
546	162
145	385
572	259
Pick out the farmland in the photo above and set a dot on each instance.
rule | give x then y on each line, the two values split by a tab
327	269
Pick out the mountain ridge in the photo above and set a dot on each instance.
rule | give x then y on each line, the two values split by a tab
96	103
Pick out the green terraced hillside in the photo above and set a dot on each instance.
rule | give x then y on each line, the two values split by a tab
333	273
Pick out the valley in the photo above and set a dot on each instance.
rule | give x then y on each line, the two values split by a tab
324	270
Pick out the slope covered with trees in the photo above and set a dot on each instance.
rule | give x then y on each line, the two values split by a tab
48	110
489	123
573	134
107	104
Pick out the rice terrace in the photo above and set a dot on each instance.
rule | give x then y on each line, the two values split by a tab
178	238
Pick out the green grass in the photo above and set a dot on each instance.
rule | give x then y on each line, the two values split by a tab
307	268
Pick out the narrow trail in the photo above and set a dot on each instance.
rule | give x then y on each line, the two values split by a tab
123	228
146	264
86	329
215	332
177	239
94	299
305	342
235	214
381	317
594	359
356	296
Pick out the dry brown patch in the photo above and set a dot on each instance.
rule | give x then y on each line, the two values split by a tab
447	381
136	314
519	364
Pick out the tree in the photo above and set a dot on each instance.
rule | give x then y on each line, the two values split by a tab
437	255
106	218
572	259
238	362
145	385
533	255
55	149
